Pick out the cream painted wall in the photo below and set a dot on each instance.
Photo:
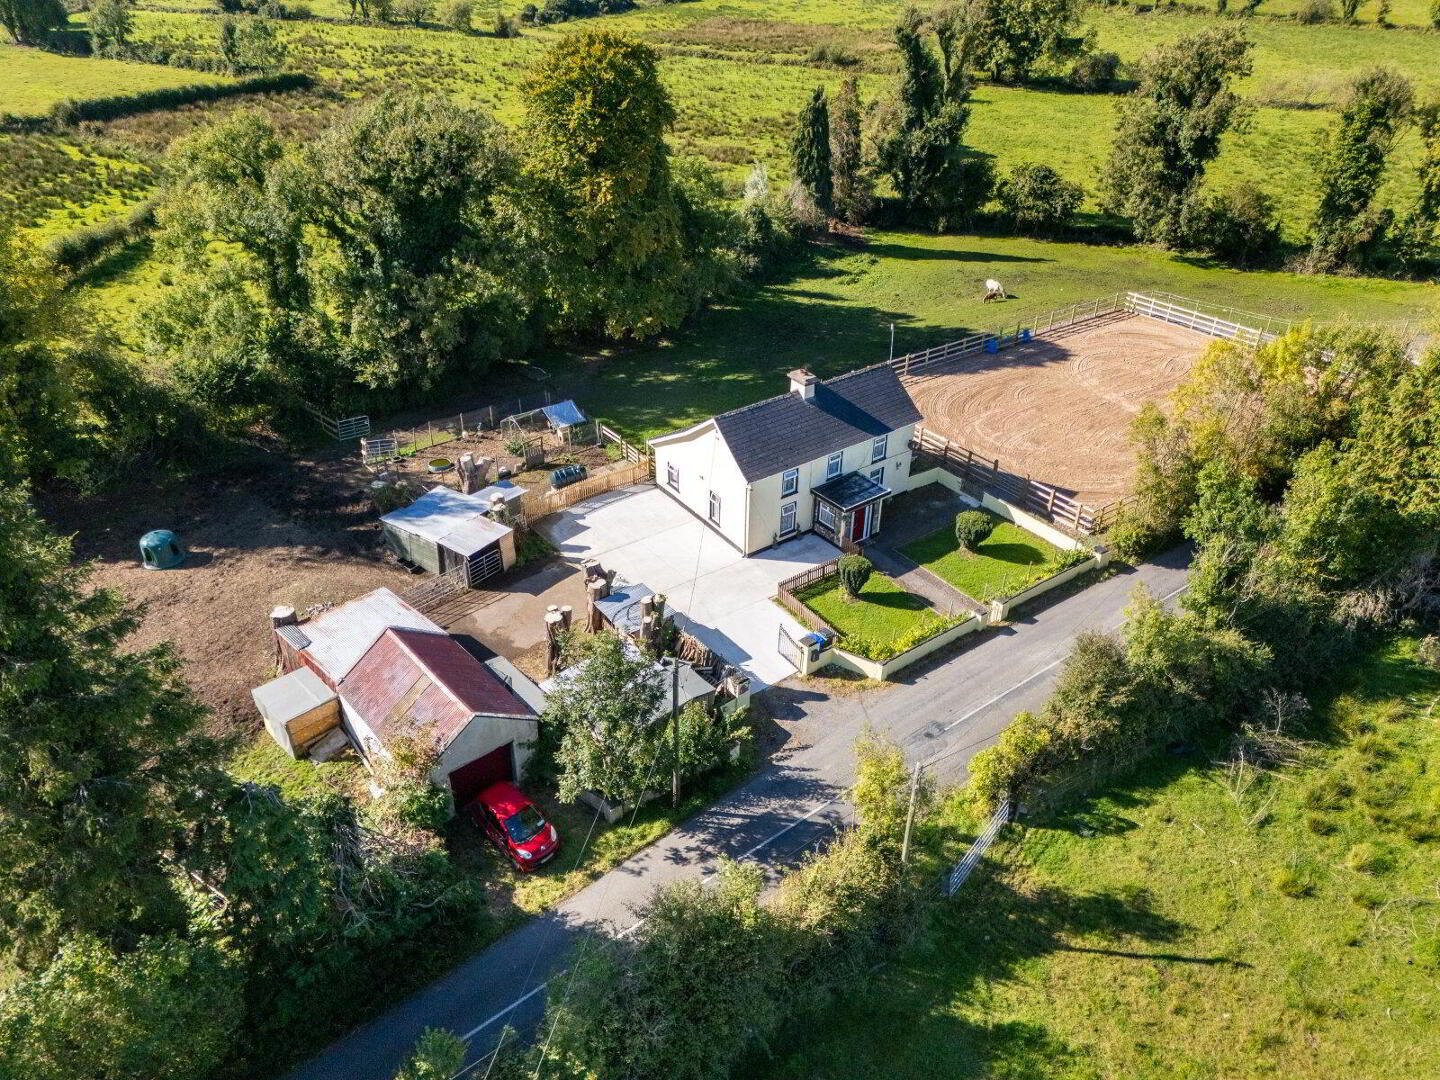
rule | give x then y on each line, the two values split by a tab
750	513
705	465
482	735
766	501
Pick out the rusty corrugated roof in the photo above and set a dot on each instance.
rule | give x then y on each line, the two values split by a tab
417	682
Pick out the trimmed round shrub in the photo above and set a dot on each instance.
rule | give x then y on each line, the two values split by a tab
973	528
854	572
1095	72
1037	200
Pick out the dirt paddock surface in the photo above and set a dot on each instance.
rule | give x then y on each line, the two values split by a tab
277	531
1058	410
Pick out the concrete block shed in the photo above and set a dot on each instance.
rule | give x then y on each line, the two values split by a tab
444	530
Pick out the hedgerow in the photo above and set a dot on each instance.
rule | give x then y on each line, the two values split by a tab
73	110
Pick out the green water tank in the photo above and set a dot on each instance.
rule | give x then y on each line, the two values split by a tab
160	550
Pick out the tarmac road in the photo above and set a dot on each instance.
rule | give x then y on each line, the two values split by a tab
943	715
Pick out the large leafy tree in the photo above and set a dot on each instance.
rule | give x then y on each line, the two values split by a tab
168	1009
1170	129
939	182
38	372
810	150
853	187
602	714
1350	166
29	21
1013	36
1419	234
111	23
425	254
596	115
102	761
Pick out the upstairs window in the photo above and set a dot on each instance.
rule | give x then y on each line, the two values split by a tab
877	448
790	482
672	476
834	465
715	508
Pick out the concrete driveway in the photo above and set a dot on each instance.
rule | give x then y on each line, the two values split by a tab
720	596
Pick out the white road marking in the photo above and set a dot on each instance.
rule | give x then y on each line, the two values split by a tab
799	821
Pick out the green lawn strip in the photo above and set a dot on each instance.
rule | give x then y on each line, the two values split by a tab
1170	930
1010	561
32	80
883	621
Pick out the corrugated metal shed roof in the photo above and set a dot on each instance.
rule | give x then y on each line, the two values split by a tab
294	694
622	606
787	431
340	637
296	637
412	682
455	521
508	491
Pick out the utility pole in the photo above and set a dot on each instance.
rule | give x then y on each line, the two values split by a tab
910	814
675	730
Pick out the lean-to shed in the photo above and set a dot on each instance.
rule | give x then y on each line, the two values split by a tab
445	529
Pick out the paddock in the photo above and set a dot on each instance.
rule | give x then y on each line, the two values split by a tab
1058	408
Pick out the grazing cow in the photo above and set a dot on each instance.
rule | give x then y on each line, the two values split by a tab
994	290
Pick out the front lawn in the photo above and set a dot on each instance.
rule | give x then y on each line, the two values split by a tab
883	621
1010	561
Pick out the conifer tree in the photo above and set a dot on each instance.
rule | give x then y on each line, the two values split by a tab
810	150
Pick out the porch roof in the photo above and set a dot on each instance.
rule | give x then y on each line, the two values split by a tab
851	490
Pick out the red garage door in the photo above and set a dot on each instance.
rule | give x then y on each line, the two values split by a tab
469	780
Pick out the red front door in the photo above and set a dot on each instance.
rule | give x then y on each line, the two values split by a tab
858	520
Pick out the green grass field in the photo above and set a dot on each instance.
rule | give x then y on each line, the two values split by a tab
1171	929
1010	561
883	613
834	314
31	81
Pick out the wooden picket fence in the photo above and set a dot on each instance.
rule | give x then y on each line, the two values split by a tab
539	504
985	474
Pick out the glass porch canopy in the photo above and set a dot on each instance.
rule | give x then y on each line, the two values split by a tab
849	491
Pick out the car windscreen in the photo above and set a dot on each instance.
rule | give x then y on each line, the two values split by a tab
524	824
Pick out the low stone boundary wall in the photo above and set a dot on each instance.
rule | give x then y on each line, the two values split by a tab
997	611
886	669
1000	609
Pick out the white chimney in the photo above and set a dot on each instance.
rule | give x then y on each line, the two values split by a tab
803	383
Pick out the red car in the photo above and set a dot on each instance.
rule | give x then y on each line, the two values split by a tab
512	821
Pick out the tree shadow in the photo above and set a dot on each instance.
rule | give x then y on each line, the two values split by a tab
1018	554
985	935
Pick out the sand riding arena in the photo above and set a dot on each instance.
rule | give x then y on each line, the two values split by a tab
1057	408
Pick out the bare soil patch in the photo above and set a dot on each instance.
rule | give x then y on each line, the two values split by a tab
1059	410
280	530
493	445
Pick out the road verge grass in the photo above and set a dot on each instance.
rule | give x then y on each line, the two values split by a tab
1178	925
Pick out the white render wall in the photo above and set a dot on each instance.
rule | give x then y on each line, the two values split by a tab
750	513
706	465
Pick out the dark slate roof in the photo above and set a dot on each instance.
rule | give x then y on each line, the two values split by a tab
784	432
851	490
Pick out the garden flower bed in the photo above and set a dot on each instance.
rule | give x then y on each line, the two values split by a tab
1007	563
883	621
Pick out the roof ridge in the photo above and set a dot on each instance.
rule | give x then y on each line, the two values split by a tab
791	393
430	673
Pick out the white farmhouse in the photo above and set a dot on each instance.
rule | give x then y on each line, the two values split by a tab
823	457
